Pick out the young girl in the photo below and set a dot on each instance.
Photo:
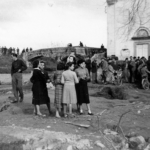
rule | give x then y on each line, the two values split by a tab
69	79
58	88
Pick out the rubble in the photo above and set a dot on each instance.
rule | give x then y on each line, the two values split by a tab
41	139
4	106
11	108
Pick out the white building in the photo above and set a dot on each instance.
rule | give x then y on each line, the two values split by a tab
128	28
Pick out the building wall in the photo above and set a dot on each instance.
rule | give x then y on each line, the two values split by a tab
120	43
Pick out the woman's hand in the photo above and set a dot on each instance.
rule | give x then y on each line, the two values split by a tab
48	81
19	70
84	78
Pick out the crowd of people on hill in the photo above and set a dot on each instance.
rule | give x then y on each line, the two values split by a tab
8	51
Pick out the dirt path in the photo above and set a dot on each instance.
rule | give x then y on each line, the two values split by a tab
19	122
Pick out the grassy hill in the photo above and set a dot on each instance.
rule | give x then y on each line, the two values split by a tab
6	61
5	64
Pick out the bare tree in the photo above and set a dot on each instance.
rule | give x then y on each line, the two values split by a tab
137	14
111	2
133	13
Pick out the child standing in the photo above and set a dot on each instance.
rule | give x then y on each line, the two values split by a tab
69	79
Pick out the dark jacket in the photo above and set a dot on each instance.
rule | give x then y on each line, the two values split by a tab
39	88
18	64
148	65
94	67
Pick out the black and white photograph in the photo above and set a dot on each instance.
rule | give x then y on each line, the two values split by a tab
74	75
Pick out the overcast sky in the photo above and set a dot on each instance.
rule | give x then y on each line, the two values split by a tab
52	23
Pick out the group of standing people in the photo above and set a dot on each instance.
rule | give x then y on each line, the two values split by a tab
136	68
39	79
70	82
102	70
71	87
133	69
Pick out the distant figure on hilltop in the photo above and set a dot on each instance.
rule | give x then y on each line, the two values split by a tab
69	45
18	51
10	50
81	44
30	49
4	50
13	50
27	50
23	51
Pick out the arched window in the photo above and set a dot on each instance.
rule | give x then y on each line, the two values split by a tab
142	33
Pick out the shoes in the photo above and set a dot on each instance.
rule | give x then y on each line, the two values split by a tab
90	114
21	100
71	115
15	101
41	115
81	112
57	116
65	115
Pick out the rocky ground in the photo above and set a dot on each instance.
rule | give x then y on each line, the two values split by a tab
117	124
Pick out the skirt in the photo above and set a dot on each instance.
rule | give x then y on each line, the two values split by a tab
69	94
58	96
82	92
41	99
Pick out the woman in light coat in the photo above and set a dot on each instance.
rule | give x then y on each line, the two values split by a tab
69	79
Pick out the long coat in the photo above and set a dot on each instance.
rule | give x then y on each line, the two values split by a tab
39	89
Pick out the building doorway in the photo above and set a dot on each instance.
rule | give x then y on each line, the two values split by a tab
142	42
142	50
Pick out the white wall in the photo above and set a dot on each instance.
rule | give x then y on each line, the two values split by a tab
117	40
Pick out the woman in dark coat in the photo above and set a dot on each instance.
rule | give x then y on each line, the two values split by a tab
39	88
82	88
